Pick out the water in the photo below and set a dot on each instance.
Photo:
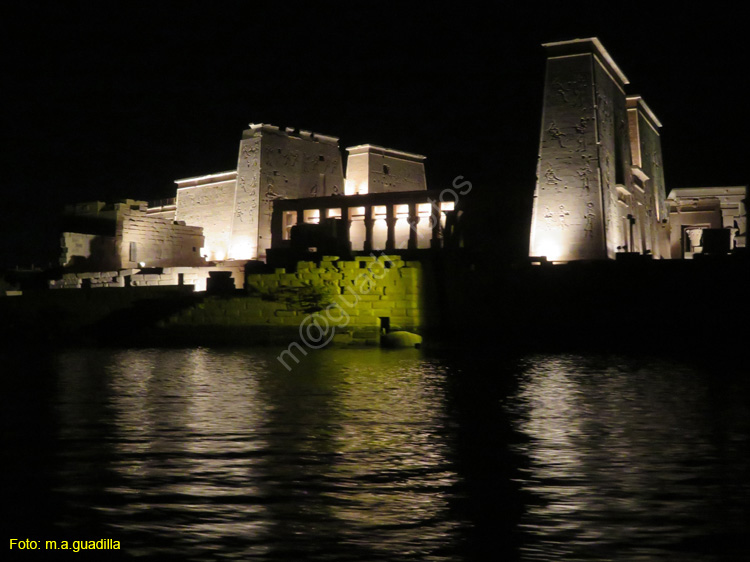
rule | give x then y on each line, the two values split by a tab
202	454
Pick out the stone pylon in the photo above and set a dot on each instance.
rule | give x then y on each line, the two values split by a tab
584	155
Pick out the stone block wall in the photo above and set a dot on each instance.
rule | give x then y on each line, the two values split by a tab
157	242
170	276
209	202
375	169
360	297
290	164
97	279
234	207
88	251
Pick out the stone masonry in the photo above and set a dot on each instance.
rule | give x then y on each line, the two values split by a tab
365	294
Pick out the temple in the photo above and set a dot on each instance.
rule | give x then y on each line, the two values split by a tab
600	189
600	194
707	219
288	192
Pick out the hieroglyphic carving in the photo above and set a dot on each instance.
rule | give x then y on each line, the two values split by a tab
333	165
556	220
270	194
581	134
269	197
291	158
250	153
281	159
604	108
245	216
585	171
248	186
309	163
246	213
561	90
563	212
556	134
548	218
588	228
572	91
552	179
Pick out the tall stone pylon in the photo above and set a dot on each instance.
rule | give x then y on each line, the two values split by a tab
584	154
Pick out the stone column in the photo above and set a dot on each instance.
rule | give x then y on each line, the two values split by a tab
435	218
390	220
413	221
368	228
347	242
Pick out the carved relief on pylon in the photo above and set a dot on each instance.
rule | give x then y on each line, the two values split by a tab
556	134
550	176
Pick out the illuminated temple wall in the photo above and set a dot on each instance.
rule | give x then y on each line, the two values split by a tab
292	165
227	215
374	169
208	201
590	201
234	208
648	179
694	209
157	242
102	237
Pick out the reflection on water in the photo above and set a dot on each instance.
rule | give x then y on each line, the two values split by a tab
380	455
391	454
631	462
223	452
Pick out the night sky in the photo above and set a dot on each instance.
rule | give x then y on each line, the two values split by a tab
107	100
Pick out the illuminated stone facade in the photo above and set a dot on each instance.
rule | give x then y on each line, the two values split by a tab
693	210
374	169
600	182
234	208
102	237
399	220
226	217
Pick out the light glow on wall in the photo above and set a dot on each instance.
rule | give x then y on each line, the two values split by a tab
550	248
357	213
379	234
289	220
378	212
352	188
218	253
311	216
242	248
401	232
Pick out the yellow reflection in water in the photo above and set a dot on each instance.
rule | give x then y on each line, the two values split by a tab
210	448
390	448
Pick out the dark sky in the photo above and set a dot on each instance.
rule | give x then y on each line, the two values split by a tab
106	100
